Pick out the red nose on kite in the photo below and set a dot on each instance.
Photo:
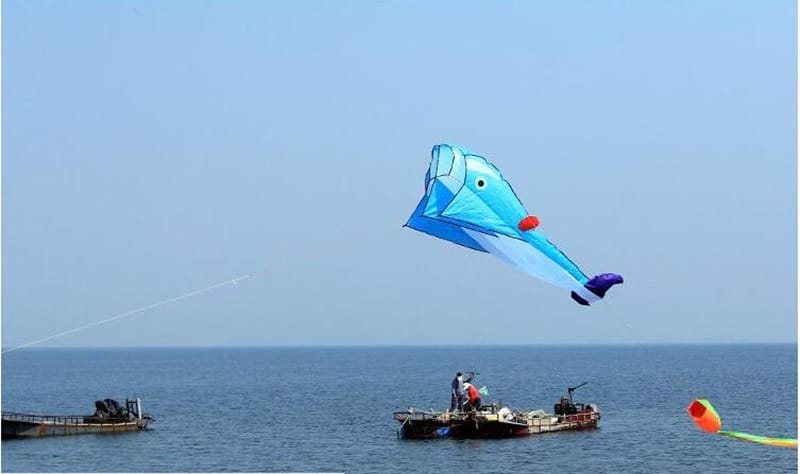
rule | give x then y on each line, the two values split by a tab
528	223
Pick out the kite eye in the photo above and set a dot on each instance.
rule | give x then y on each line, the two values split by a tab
480	183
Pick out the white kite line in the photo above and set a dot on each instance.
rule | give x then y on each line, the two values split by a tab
131	312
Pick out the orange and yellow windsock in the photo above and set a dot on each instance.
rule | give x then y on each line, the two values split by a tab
707	419
704	415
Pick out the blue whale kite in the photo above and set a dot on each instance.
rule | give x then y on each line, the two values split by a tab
468	202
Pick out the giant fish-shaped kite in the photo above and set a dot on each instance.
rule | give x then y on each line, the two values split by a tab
468	202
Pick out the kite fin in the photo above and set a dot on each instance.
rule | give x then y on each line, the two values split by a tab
598	285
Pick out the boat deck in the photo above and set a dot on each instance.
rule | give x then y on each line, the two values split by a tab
490	423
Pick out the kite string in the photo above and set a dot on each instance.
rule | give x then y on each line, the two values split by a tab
321	252
625	324
125	314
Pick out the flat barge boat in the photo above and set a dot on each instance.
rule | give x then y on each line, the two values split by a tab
109	417
491	421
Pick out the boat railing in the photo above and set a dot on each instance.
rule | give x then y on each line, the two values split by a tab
581	416
61	419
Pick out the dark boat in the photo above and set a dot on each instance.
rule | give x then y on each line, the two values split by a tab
491	421
109	417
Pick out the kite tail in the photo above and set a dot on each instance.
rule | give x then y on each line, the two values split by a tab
779	442
598	285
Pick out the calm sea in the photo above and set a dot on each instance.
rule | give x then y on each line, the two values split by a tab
330	409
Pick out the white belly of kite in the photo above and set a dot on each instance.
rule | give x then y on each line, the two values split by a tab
527	258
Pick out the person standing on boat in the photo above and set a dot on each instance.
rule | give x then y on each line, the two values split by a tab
457	393
473	397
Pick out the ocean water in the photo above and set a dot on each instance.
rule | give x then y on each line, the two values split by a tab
330	409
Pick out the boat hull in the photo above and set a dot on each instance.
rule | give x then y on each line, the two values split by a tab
426	425
33	426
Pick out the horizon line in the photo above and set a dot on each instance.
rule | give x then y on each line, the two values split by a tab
428	345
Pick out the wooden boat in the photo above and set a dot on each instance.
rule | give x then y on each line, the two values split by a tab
494	422
25	425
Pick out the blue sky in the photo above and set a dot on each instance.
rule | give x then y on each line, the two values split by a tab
153	148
